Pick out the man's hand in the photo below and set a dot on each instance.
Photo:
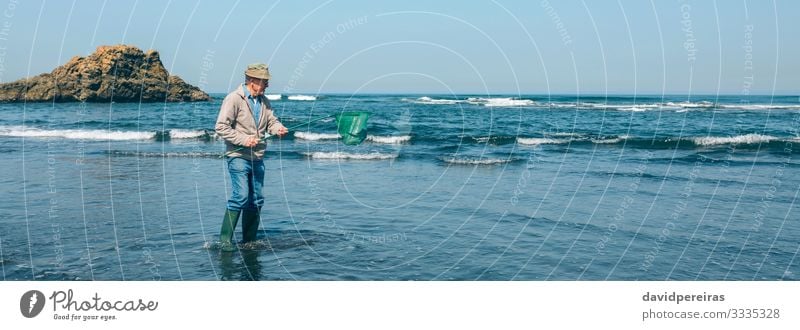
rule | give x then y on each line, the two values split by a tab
282	131
251	142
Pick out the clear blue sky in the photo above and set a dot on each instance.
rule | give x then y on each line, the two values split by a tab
429	46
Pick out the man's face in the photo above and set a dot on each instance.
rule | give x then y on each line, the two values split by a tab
257	86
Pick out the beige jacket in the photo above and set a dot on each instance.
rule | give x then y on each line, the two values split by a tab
235	124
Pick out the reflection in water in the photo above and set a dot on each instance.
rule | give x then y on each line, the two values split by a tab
252	268
245	264
226	265
240	265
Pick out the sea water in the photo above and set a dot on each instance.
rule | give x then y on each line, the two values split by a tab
464	187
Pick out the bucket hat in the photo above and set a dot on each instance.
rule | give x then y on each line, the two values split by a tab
258	70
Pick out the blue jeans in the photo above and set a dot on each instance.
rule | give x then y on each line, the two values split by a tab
247	180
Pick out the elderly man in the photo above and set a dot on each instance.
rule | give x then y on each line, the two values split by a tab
244	120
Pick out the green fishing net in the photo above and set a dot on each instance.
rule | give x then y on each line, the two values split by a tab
352	126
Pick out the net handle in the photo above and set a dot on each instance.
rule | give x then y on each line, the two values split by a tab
266	137
298	126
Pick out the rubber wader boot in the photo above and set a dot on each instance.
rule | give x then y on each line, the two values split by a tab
226	233
250	220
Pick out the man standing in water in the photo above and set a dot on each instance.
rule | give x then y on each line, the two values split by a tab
244	119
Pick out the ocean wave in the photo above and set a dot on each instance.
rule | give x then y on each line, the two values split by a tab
187	134
740	139
76	134
274	97
428	100
500	102
474	160
302	98
173	154
568	134
665	142
765	142
604	106
632	109
489	102
538	141
492	140
624	106
350	156
562	105
760	106
316	136
636	106
509	103
105	135
687	104
613	140
389	139
677	106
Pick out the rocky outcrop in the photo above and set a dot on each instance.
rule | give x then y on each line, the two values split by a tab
113	73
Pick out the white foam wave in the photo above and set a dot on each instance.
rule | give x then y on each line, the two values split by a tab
474	161
741	139
648	105
302	98
632	109
687	104
175	154
76	134
597	105
590	105
621	107
475	100
316	136
353	156
569	134
185	134
274	97
611	140
760	106
701	104
500	102
679	106
538	141
428	100
563	105
389	139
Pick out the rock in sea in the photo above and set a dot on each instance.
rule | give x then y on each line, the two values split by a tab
118	73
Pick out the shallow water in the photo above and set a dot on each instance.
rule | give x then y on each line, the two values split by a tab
446	187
